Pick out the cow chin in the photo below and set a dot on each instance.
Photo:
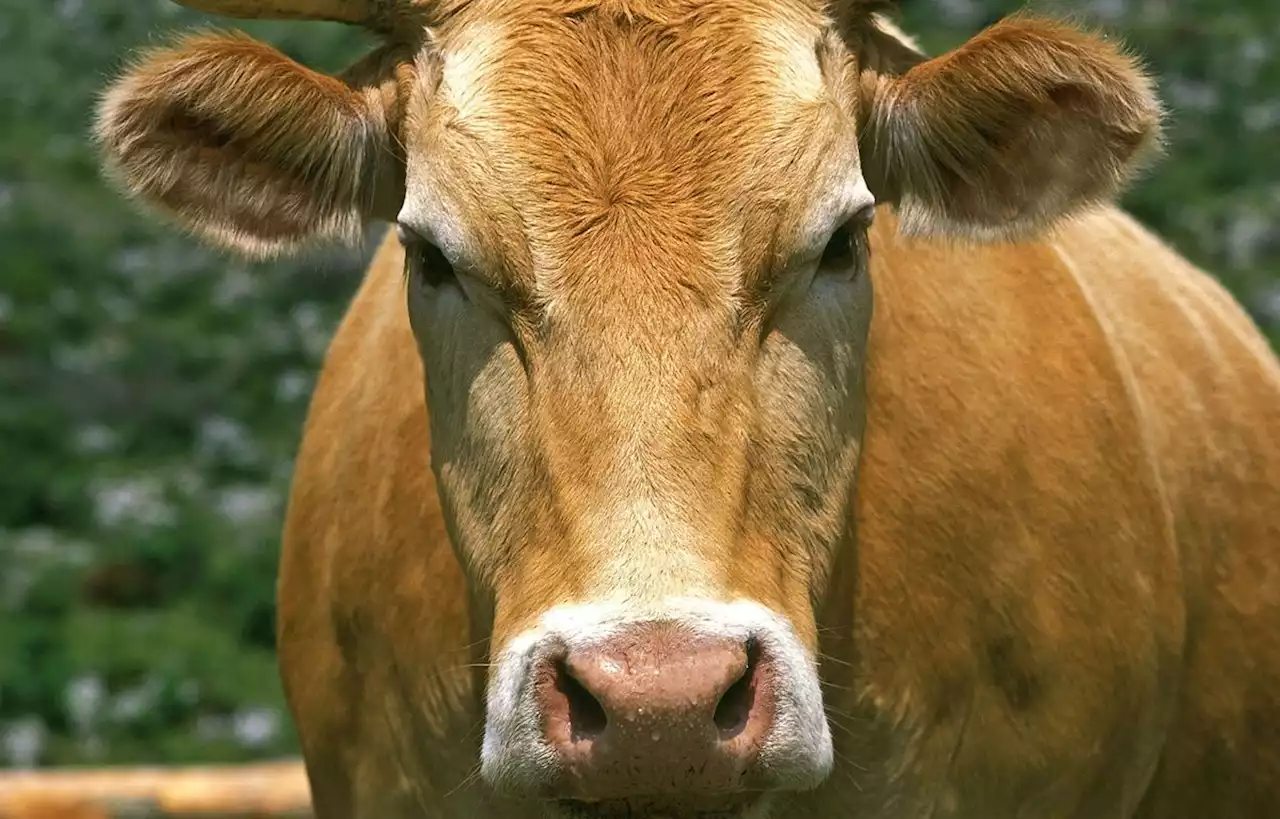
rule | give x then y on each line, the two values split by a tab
755	806
692	708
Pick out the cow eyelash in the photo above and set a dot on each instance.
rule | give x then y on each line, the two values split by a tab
848	245
838	254
423	259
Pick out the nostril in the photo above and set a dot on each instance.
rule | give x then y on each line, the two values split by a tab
734	709
586	716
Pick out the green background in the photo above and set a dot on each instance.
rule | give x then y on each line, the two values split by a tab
151	392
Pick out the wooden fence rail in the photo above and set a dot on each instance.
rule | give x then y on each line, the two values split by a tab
274	790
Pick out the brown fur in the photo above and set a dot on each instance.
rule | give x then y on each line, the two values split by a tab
1050	592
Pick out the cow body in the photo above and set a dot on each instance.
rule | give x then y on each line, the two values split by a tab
807	432
1061	599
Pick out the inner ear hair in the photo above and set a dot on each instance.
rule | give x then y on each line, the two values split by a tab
877	42
388	75
882	50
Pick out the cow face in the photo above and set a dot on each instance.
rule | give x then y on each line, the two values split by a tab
636	264
638	277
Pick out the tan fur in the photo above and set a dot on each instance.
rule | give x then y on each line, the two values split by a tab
1018	499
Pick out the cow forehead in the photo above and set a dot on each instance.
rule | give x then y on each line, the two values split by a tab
725	27
567	119
613	85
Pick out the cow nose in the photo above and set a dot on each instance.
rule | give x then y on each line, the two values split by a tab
654	710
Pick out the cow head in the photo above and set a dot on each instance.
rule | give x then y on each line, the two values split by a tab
636	241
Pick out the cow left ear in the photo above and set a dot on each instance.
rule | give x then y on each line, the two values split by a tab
1030	121
251	151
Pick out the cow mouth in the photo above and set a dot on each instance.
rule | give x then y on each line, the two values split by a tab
734	806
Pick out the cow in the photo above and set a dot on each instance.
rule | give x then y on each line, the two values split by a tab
811	432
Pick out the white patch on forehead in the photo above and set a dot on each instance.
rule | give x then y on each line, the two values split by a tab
466	63
792	51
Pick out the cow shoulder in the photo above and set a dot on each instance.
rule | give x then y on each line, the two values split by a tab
1206	385
1015	555
367	573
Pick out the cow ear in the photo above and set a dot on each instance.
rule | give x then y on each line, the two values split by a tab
883	48
249	150
1028	122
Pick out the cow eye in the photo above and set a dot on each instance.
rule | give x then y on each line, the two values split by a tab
846	250
423	259
838	254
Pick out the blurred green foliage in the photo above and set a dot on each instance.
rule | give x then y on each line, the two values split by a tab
152	392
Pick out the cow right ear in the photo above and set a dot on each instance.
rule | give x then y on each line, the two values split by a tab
883	48
1029	122
249	150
